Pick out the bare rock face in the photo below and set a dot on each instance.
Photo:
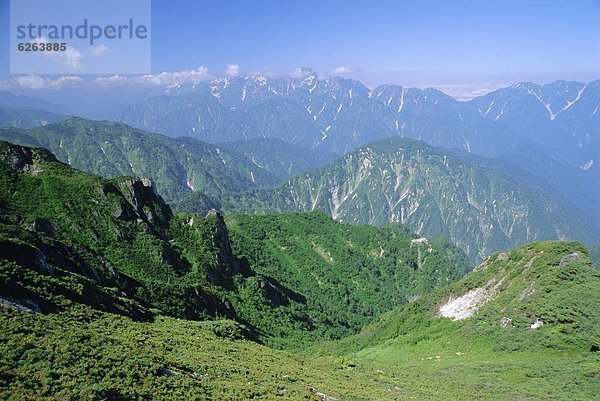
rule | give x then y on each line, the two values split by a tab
467	305
221	239
142	202
537	324
24	305
569	258
19	159
26	255
224	252
505	322
44	226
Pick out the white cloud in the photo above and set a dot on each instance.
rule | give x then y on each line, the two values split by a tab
31	82
164	78
63	81
99	50
114	80
233	70
303	72
70	57
466	92
342	70
36	82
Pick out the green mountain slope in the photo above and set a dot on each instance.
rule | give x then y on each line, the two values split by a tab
432	192
348	274
64	228
106	294
60	224
411	354
524	316
540	295
177	166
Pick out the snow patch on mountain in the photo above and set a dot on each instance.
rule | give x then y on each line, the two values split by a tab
189	185
467	305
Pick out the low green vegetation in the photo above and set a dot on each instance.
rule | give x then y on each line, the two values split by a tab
348	274
552	282
106	294
82	354
537	321
119	233
87	355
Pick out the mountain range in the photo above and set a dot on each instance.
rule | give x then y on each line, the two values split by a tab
120	234
337	115
178	166
106	293
480	205
549	130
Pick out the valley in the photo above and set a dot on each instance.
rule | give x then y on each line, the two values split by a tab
299	237
107	293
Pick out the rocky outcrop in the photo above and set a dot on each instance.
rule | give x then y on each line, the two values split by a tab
220	240
19	159
229	264
23	305
569	258
148	205
25	255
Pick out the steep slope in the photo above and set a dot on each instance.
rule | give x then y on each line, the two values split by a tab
523	316
561	179
177	166
67	237
553	115
344	271
537	296
89	268
83	352
337	114
438	119
560	117
432	192
62	227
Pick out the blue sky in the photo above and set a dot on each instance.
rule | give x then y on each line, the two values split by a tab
417	41
437	43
